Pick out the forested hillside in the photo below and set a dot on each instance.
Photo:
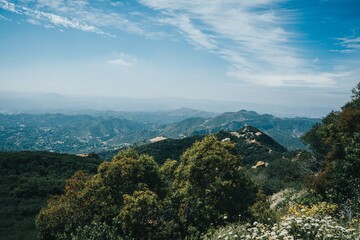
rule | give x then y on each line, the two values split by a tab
336	144
27	180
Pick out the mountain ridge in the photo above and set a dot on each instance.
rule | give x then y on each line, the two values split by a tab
281	129
251	143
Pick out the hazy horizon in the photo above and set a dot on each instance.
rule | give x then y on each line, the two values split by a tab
38	103
285	53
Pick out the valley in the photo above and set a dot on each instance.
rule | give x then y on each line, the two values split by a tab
111	131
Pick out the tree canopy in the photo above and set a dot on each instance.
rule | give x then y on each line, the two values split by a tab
132	197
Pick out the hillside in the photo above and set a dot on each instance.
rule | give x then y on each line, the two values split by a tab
169	148
285	168
27	180
215	176
251	143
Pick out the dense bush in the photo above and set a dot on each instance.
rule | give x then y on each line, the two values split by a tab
210	184
290	228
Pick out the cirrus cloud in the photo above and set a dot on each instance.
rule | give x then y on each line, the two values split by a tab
253	36
37	16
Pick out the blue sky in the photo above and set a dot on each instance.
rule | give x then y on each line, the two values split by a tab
293	53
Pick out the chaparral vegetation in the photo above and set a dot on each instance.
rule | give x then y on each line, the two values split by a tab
230	185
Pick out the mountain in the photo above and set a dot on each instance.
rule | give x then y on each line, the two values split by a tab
266	162
251	143
286	131
185	127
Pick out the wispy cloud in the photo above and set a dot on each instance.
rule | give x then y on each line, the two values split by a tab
33	21
8	6
38	17
251	35
50	3
123	60
120	62
103	14
254	37
294	79
349	44
193	34
3	18
82	15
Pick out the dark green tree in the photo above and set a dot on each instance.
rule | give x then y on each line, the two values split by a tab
167	172
85	197
210	186
346	173
129	172
99	196
140	216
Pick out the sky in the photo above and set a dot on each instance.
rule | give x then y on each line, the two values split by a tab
286	52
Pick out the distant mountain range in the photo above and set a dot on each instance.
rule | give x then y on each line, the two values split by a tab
105	131
40	103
